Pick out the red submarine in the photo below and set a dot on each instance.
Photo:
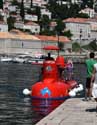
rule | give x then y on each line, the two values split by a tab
52	89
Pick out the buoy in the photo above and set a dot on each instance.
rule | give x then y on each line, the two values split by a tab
81	87
72	93
26	92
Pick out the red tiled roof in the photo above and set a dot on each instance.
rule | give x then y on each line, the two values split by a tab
17	35
76	20
53	38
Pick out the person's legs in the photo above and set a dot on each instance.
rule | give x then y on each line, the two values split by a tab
89	93
96	104
86	94
94	94
88	89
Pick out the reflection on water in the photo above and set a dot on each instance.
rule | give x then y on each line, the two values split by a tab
45	106
14	107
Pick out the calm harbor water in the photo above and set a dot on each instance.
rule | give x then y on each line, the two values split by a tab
15	108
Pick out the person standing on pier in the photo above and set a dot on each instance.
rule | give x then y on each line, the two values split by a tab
94	83
89	65
69	69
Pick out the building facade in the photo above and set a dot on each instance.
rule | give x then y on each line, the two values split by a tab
3	27
83	30
14	43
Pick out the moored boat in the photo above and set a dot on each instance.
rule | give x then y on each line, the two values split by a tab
5	59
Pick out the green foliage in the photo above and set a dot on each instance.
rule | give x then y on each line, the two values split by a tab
22	12
45	22
91	46
68	34
60	26
10	22
57	10
73	10
83	15
63	11
47	32
31	4
75	47
12	13
15	2
87	3
29	11
28	31
1	4
38	13
61	46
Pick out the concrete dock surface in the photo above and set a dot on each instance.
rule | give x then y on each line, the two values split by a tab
73	111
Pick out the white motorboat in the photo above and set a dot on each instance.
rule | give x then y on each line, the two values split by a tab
5	59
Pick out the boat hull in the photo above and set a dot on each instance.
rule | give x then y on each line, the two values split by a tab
47	95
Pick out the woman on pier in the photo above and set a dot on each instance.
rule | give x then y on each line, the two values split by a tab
69	69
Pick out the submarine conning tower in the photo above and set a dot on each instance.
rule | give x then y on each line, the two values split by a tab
50	70
60	61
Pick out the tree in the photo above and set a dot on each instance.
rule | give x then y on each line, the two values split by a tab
60	27
88	3
10	22
31	3
52	7
68	34
45	22
75	47
73	10
1	4
38	13
52	2
61	46
29	11
15	2
1	17
22	12
83	15
47	32
59	11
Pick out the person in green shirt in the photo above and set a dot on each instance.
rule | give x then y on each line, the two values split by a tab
89	65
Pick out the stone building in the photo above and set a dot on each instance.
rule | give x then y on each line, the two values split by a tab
17	42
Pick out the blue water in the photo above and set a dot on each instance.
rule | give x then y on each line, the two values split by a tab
15	108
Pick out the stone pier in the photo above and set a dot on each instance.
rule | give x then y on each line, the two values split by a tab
74	111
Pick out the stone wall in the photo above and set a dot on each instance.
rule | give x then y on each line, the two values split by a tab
10	46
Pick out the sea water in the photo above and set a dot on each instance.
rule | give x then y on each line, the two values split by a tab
15	108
